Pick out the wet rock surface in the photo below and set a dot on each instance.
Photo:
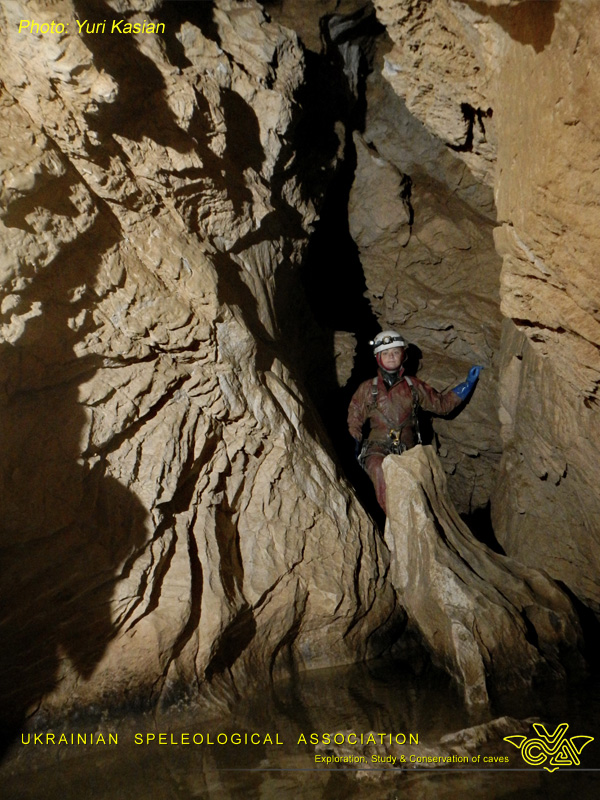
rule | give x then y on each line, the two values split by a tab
491	622
172	521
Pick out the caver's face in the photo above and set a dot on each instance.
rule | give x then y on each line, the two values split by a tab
392	358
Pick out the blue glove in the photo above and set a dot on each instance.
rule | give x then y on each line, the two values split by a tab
464	389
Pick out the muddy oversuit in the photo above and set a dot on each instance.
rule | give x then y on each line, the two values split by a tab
392	415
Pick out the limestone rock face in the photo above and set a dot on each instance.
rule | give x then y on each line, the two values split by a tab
489	621
437	64
506	87
547	507
170	517
307	18
423	226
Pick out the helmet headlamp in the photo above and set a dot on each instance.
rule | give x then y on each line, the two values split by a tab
386	340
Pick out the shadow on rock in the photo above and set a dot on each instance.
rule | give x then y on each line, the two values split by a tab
492	623
68	529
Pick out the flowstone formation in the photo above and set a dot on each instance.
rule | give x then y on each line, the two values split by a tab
490	622
171	518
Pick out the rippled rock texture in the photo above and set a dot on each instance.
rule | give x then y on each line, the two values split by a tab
491	623
173	516
424	229
170	516
506	86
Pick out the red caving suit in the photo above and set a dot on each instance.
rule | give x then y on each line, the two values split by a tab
392	409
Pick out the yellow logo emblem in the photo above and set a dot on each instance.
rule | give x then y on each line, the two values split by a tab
561	751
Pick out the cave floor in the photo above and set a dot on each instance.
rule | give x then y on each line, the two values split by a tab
279	759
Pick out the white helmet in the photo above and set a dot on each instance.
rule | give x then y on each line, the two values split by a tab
385	340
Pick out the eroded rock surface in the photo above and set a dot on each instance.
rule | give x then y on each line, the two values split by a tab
489	621
437	64
170	517
506	87
423	226
547	201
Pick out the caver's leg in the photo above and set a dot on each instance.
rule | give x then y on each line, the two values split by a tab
374	470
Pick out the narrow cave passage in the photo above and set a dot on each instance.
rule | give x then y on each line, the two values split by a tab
201	232
403	241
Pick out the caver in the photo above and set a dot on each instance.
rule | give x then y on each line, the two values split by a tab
390	402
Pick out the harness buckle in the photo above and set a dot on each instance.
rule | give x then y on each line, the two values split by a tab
396	445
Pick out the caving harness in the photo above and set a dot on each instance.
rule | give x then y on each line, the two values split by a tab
393	443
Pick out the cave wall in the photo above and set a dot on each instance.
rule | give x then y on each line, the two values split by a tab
421	223
547	194
171	516
424	228
508	87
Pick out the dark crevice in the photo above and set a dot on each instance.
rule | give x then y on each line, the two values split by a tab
479	523
234	640
282	657
156	571
529	323
197	582
590	627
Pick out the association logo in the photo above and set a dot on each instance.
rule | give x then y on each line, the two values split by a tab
561	751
